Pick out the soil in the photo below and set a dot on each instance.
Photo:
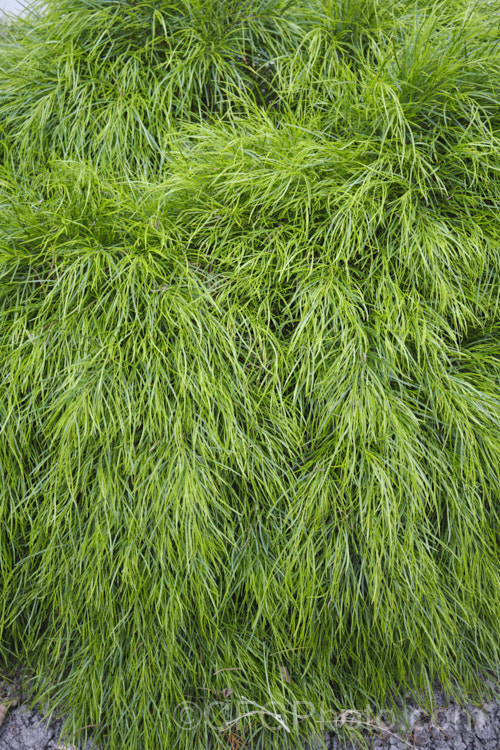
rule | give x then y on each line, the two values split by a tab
449	727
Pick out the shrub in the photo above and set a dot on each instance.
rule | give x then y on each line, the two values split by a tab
250	360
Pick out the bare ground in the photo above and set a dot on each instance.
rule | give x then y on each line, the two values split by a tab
449	727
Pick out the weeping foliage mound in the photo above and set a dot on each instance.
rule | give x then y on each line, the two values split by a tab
250	361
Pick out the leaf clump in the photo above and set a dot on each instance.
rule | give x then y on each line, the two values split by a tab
250	360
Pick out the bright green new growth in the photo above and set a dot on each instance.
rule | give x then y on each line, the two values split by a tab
250	360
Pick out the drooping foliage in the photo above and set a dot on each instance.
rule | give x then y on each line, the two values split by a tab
250	361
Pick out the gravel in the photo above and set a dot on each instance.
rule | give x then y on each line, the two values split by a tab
27	729
449	727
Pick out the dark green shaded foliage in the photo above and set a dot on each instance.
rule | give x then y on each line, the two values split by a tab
109	79
250	359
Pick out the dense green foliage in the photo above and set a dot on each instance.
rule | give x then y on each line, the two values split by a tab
250	359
